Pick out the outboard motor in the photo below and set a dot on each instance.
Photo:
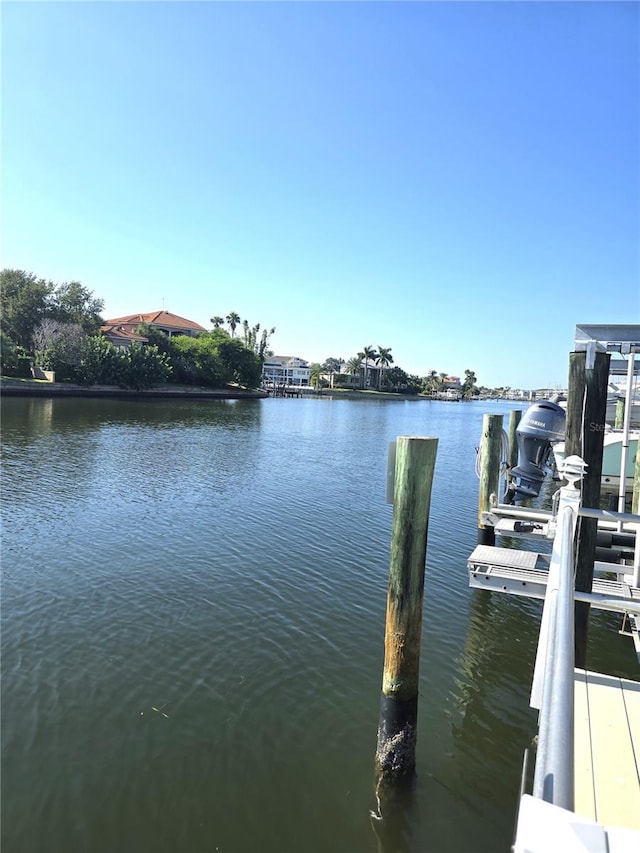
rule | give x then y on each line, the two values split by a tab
542	424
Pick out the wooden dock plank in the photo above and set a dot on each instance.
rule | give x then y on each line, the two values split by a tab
616	781
584	797
631	695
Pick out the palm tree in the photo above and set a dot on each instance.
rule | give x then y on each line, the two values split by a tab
233	320
354	366
443	376
250	334
383	360
216	322
368	353
469	384
432	379
332	366
315	375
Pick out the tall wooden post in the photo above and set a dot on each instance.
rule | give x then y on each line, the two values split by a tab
586	415
490	445
619	421
415	462
514	419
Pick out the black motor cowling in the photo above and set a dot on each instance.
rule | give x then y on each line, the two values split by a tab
542	424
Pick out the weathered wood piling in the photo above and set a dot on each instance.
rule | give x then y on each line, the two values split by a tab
584	436
514	419
414	466
490	446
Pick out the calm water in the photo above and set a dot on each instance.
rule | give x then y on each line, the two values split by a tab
193	600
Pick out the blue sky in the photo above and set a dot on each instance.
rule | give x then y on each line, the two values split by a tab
457	181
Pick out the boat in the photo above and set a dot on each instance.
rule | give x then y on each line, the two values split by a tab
611	459
541	433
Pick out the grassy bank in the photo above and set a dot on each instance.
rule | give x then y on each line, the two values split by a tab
12	387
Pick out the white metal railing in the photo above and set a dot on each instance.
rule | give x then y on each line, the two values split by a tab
553	779
552	690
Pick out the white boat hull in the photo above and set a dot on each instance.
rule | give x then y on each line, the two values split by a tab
611	460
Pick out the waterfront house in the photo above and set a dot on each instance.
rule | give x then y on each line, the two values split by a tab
368	369
121	338
285	370
165	321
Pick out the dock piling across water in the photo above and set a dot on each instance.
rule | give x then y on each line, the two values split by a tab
414	467
490	447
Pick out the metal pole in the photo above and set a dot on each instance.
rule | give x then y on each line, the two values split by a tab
553	780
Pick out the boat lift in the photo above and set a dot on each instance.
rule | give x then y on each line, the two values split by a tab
586	787
614	339
526	572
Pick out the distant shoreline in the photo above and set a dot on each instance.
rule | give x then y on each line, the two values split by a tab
10	387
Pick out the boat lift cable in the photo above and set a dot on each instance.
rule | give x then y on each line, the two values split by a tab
504	455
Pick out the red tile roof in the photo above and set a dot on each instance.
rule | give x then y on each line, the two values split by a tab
112	331
157	318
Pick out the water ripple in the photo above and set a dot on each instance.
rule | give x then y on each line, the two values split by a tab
193	611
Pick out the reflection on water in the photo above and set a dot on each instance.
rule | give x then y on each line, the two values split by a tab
193	602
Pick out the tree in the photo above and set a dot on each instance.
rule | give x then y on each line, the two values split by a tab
98	365
216	322
432	381
24	301
59	347
315	375
414	384
368	353
402	382
469	385
197	361
8	354
73	303
254	343
156	337
441	384
233	320
332	366
243	365
354	365
44	335
384	359
139	367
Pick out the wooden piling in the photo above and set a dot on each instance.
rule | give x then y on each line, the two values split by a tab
490	446
514	419
415	462
585	425
619	421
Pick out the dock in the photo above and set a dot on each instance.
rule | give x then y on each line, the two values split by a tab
585	794
607	749
285	391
